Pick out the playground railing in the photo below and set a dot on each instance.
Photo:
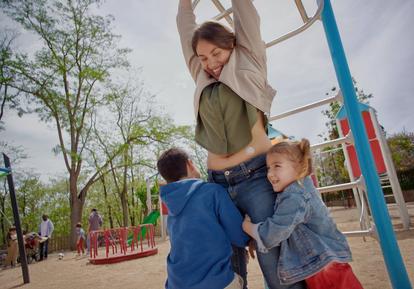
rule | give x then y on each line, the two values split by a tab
122	241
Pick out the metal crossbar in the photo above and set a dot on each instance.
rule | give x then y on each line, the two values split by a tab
337	97
308	21
340	187
346	139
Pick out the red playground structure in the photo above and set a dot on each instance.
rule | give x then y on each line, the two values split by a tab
120	244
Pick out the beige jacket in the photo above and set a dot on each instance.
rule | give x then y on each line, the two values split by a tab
246	71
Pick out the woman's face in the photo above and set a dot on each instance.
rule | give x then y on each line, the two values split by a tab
212	57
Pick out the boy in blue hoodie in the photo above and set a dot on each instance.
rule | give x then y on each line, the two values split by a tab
203	223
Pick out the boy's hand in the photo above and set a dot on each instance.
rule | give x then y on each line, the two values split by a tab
252	249
247	224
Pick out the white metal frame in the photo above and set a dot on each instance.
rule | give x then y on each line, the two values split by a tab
358	189
307	21
391	175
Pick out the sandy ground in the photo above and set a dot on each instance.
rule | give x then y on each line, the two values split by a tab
150	273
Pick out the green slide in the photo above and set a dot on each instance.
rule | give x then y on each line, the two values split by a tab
150	219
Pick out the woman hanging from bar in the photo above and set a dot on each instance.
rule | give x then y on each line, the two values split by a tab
231	101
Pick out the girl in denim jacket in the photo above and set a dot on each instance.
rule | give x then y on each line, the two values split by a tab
311	246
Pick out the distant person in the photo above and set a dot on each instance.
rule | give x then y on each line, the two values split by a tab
45	231
203	223
95	223
81	237
12	248
311	246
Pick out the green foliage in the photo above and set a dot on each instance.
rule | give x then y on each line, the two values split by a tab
63	78
34	199
8	97
406	179
402	150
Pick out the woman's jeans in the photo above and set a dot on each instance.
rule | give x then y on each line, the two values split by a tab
251	192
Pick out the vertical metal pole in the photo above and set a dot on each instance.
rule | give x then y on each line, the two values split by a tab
22	251
392	255
392	174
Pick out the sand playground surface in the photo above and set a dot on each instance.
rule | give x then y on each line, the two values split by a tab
150	272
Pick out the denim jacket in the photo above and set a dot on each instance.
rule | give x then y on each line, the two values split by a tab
307	235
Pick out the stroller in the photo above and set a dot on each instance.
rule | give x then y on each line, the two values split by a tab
31	244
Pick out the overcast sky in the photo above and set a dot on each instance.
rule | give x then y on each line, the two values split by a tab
375	33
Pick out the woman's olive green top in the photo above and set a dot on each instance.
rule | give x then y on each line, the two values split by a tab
224	120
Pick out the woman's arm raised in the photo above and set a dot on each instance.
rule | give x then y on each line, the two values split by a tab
186	25
247	27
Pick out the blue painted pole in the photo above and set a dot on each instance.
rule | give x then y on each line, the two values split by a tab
392	255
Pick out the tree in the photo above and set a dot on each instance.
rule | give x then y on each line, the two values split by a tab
7	97
402	150
62	78
125	135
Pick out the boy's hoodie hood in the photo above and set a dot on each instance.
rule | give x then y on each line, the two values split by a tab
176	195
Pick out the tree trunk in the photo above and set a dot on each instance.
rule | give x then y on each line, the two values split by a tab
124	192
108	205
132	214
76	206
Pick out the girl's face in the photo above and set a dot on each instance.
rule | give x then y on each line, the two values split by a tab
212	57
281	171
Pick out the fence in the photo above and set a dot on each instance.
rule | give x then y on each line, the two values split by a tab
59	243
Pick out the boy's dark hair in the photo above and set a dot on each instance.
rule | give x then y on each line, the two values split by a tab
79	225
172	164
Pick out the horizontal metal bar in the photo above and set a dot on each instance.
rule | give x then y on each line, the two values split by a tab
330	151
346	139
340	187
337	97
361	233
